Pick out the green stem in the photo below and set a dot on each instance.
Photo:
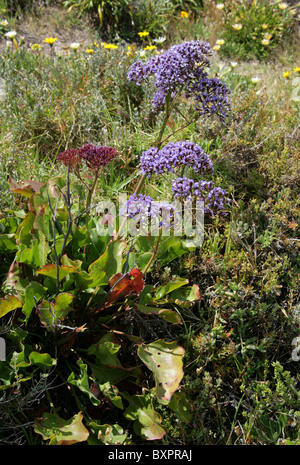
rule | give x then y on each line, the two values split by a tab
154	253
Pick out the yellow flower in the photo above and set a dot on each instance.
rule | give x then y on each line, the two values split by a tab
220	6
265	42
96	45
184	14
4	23
36	47
217	47
286	74
297	69
220	42
237	26
264	26
50	40
110	46
268	36
282	5
150	47
143	33
90	51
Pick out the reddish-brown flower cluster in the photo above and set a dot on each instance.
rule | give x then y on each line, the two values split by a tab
94	156
70	158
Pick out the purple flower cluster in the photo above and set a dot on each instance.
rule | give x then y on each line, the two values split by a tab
173	155
146	211
182	66
214	198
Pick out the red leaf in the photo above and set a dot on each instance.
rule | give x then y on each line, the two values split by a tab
123	285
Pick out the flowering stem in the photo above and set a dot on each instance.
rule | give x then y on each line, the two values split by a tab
154	253
90	196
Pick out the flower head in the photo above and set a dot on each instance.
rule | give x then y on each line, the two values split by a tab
265	41
220	42
150	47
286	74
147	212
297	69
96	156
216	47
255	80
50	40
220	6
264	26
184	14
70	158
282	5
4	23
11	34
237	26
174	155
36	47
143	34
110	46
75	46
90	51
182	65
213	197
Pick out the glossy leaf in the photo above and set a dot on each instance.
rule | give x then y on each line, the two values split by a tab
32	295
165	360
83	382
50	270
8	304
60	431
147	422
108	264
164	313
124	284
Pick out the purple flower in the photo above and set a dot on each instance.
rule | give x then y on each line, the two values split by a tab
174	155
214	198
182	66
96	156
147	212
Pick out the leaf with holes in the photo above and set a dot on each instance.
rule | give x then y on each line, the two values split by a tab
165	360
61	431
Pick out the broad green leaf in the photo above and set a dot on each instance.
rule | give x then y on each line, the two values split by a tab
147	422
24	234
52	314
36	254
50	270
106	434
60	431
109	264
33	294
8	304
83	382
112	393
165	360
8	243
173	284
165	313
186	294
181	406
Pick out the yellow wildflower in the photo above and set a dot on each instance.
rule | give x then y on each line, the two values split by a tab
265	42
286	74
143	33
90	51
220	42
268	36
36	47
150	47
110	46
297	69
237	26
217	47
282	5
184	14
96	45
264	26
50	40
